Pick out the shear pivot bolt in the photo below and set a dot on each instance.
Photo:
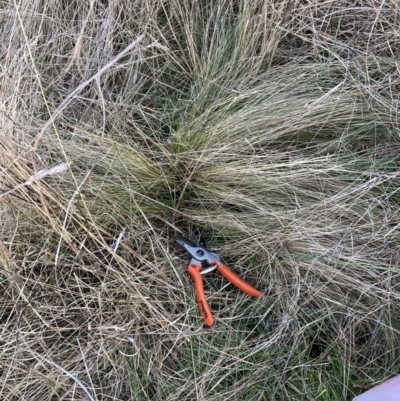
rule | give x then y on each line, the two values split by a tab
200	253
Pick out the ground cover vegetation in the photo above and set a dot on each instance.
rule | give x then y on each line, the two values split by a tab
272	126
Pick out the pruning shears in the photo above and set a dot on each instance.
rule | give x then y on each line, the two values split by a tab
201	256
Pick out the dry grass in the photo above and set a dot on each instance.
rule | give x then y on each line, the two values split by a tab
271	125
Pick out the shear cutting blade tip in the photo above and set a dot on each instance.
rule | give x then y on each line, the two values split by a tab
183	241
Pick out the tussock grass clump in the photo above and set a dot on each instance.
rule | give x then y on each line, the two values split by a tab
271	126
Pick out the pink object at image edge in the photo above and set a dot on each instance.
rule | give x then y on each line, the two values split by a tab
387	391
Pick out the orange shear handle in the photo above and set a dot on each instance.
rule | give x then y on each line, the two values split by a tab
236	280
194	271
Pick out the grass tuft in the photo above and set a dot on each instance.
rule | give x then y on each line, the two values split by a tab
272	126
